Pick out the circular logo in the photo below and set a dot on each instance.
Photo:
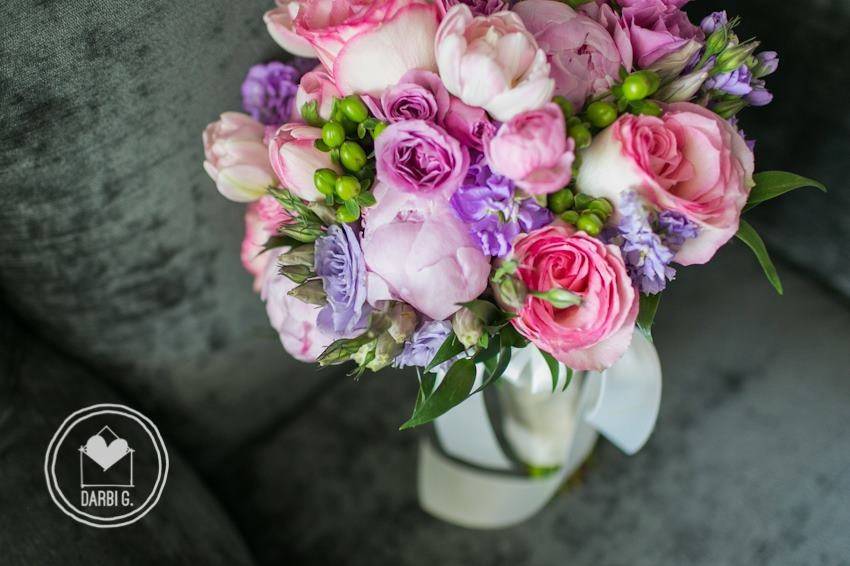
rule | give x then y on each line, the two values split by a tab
106	466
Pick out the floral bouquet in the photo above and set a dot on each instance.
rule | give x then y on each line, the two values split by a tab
455	182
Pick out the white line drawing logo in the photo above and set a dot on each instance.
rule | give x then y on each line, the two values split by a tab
101	478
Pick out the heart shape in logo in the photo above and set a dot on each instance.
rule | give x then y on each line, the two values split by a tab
106	455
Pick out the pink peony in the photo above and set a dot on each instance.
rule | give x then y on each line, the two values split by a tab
657	28
589	336
294	320
317	86
492	62
368	45
279	23
689	161
262	219
533	150
469	125
584	57
295	159
237	158
419	252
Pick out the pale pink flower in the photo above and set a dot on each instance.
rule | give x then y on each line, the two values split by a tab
236	157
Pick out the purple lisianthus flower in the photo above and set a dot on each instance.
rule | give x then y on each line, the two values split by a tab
733	121
766	64
339	263
735	82
419	157
423	345
419	95
268	92
712	22
478	7
759	95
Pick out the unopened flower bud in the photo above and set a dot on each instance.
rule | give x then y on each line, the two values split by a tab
311	292
734	57
510	293
559	298
362	356
467	327
304	234
684	88
403	322
728	108
300	255
717	41
766	64
673	64
297	273
386	350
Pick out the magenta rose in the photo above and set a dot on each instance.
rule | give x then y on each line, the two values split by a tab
295	159
419	157
470	125
533	150
583	55
590	336
689	161
657	29
418	251
368	45
419	95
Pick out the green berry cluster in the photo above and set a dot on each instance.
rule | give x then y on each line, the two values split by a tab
349	137
582	211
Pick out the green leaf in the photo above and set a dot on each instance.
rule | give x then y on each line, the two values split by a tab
748	235
426	388
570	374
352	207
646	315
495	372
453	390
278	242
771	184
450	348
366	200
554	368
488	313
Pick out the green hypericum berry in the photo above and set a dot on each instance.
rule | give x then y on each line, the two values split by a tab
566	106
352	156
347	215
582	201
639	85
581	135
601	114
347	187
590	223
333	134
601	207
379	129
354	108
561	201
646	107
325	181
570	217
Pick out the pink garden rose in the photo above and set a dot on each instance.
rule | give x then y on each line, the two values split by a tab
420	157
294	320
533	150
419	252
295	159
262	219
657	28
689	161
317	86
236	157
368	45
419	95
492	62
591	336
469	125
279	23
583	55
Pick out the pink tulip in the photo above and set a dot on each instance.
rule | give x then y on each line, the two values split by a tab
237	158
689	161
492	62
533	150
295	159
294	320
279	23
317	86
262	219
419	252
369	45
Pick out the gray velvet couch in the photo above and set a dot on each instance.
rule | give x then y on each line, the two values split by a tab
120	282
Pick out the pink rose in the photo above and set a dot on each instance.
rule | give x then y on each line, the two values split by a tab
469	125
419	252
533	149
317	86
587	337
584	58
689	161
295	159
237	158
419	95
492	62
262	219
279	23
369	45
657	29
294	320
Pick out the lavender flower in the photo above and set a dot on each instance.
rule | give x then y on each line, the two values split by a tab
735	82
759	95
712	22
420	349
268	92
339	263
676	229
487	202
766	64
